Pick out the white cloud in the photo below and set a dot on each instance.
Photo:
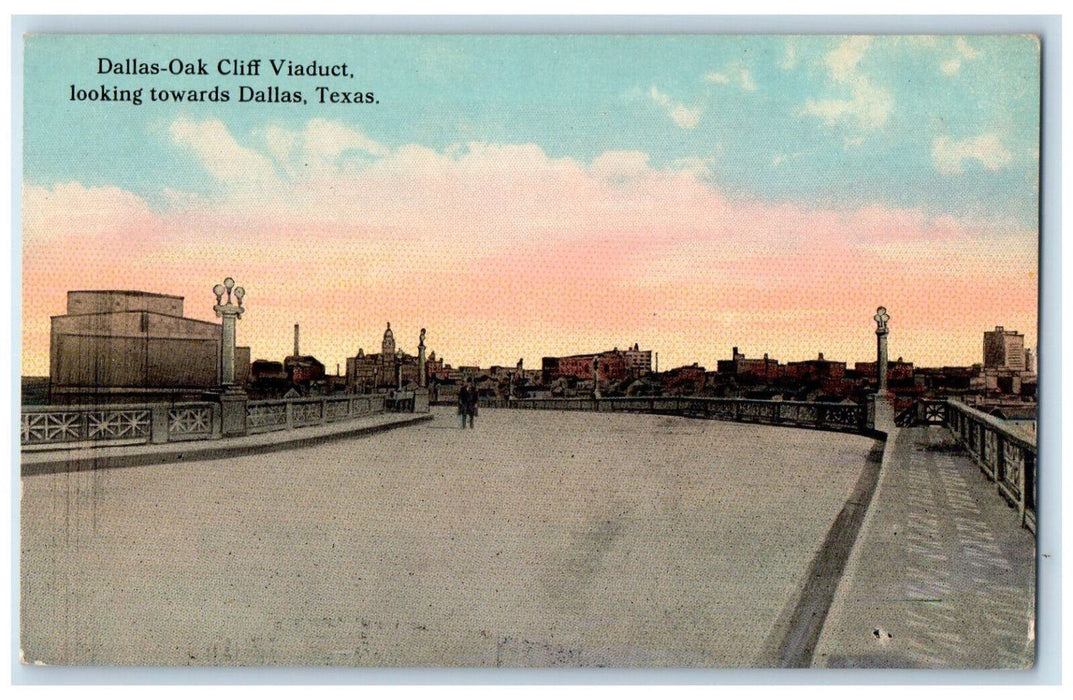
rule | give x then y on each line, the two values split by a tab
783	157
318	146
949	156
733	75
967	51
698	167
843	61
683	116
619	165
951	67
219	153
868	106
789	60
747	80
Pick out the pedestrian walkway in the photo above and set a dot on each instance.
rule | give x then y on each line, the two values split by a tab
942	575
89	457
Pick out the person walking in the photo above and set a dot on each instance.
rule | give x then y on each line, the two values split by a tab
472	408
463	405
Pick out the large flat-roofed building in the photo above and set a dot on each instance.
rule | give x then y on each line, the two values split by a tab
132	346
739	365
1004	349
613	365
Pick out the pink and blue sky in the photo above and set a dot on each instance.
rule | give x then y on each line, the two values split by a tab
528	196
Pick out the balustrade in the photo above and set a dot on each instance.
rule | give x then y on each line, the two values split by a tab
1005	456
47	427
824	416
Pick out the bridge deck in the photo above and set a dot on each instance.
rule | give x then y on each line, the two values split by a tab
540	538
942	575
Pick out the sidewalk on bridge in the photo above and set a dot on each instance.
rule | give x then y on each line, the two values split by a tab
85	457
942	574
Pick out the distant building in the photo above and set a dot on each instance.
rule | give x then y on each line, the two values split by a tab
1004	349
377	371
897	370
612	366
267	369
818	369
1031	360
763	368
683	381
133	346
302	370
828	376
638	361
949	380
1006	369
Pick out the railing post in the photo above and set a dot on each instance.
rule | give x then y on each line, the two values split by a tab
1000	465
323	410
288	410
1024	486
233	412
158	429
1028	483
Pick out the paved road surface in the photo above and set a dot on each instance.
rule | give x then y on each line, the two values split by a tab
540	538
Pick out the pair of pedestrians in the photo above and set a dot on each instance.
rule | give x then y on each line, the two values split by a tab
467	405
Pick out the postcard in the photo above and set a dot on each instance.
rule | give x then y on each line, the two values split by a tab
629	351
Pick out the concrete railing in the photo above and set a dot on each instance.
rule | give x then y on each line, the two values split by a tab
45	427
287	414
854	418
1007	457
65	427
922	412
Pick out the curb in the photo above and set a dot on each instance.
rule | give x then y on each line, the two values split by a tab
198	451
840	601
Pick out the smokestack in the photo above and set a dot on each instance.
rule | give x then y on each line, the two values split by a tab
296	340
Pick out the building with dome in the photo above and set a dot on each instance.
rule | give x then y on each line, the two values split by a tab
377	372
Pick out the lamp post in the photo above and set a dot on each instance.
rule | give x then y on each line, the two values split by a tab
233	399
596	377
421	381
881	319
230	313
398	370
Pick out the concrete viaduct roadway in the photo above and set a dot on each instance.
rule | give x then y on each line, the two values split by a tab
540	538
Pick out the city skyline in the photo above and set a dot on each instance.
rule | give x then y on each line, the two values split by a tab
764	192
533	362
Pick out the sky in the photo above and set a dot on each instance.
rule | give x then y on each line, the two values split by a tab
523	196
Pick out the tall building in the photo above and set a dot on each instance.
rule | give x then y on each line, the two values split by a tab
133	346
1004	349
638	361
